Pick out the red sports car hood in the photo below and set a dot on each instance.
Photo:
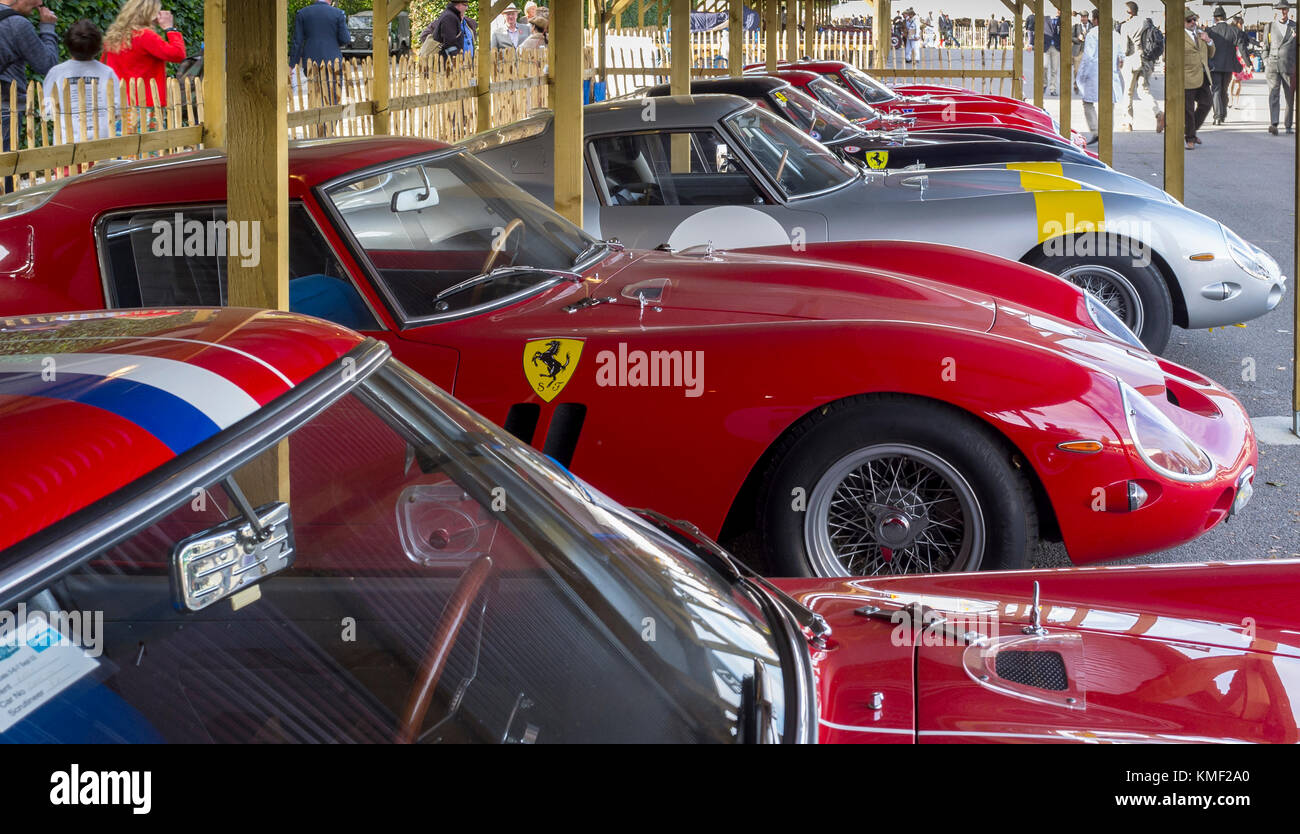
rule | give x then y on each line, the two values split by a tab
754	287
1147	653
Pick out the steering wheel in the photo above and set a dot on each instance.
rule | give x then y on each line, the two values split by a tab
500	244
453	618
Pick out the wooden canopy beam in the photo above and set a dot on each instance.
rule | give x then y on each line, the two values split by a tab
1065	85
380	85
772	13
880	31
1175	40
566	67
1040	65
1018	45
214	73
1106	72
395	7
736	38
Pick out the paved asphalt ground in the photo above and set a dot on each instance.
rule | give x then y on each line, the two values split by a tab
1245	178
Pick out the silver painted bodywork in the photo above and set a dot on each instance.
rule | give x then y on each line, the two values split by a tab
996	209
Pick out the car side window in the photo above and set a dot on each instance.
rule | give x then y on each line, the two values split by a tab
177	257
683	168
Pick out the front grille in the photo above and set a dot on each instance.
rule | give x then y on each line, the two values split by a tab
1041	670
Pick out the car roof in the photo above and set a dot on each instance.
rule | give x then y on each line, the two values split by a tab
670	112
749	86
90	402
797	76
199	176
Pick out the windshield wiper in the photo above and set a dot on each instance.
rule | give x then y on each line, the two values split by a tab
738	570
484	277
595	246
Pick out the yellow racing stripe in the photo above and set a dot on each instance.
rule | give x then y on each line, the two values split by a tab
1061	205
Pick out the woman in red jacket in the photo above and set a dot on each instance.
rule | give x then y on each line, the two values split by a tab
134	49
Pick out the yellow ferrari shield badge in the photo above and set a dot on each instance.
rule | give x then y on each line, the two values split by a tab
549	365
877	159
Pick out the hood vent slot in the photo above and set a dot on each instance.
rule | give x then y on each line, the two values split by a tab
1041	670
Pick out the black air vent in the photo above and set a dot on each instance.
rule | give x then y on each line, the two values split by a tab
1041	670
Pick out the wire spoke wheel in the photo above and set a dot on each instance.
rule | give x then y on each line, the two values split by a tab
1111	288
893	509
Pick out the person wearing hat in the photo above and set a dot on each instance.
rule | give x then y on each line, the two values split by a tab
509	34
1280	63
912	48
446	35
1077	35
1197	52
1224	63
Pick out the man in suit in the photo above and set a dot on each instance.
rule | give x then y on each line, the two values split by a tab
1051	52
1280	63
1197	51
320	32
1077	35
1223	64
510	34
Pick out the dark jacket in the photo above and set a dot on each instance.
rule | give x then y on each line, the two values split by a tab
1224	35
1278	47
446	31
1077	33
320	31
1052	33
21	47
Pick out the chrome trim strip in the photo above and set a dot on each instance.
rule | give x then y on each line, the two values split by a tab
62	547
801	711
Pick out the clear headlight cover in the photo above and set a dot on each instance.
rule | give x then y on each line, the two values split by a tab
1253	260
1111	324
1164	446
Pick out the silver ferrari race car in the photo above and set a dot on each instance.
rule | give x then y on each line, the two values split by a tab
717	170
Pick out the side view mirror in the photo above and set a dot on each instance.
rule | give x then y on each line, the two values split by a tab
414	199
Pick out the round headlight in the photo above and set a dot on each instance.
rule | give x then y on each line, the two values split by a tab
1252	260
1109	323
1164	446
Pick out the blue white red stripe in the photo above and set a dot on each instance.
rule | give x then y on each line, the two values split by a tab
179	403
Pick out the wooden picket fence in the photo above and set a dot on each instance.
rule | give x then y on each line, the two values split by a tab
83	125
636	58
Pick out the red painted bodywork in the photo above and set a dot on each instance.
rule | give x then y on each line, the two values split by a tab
956	109
781	336
62	456
1154	653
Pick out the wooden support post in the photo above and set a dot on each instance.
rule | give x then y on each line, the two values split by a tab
1040	65
1018	45
792	30
257	149
772	12
1106	81
1295	300
679	60
736	38
880	32
1175	40
566	65
810	11
214	73
380	83
1066	82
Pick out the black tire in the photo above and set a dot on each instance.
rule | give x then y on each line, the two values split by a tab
1145	285
997	534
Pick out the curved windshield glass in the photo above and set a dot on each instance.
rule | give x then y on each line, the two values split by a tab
848	105
794	160
816	119
424	578
428	227
869	88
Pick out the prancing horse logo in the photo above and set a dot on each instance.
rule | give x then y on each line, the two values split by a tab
549	364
